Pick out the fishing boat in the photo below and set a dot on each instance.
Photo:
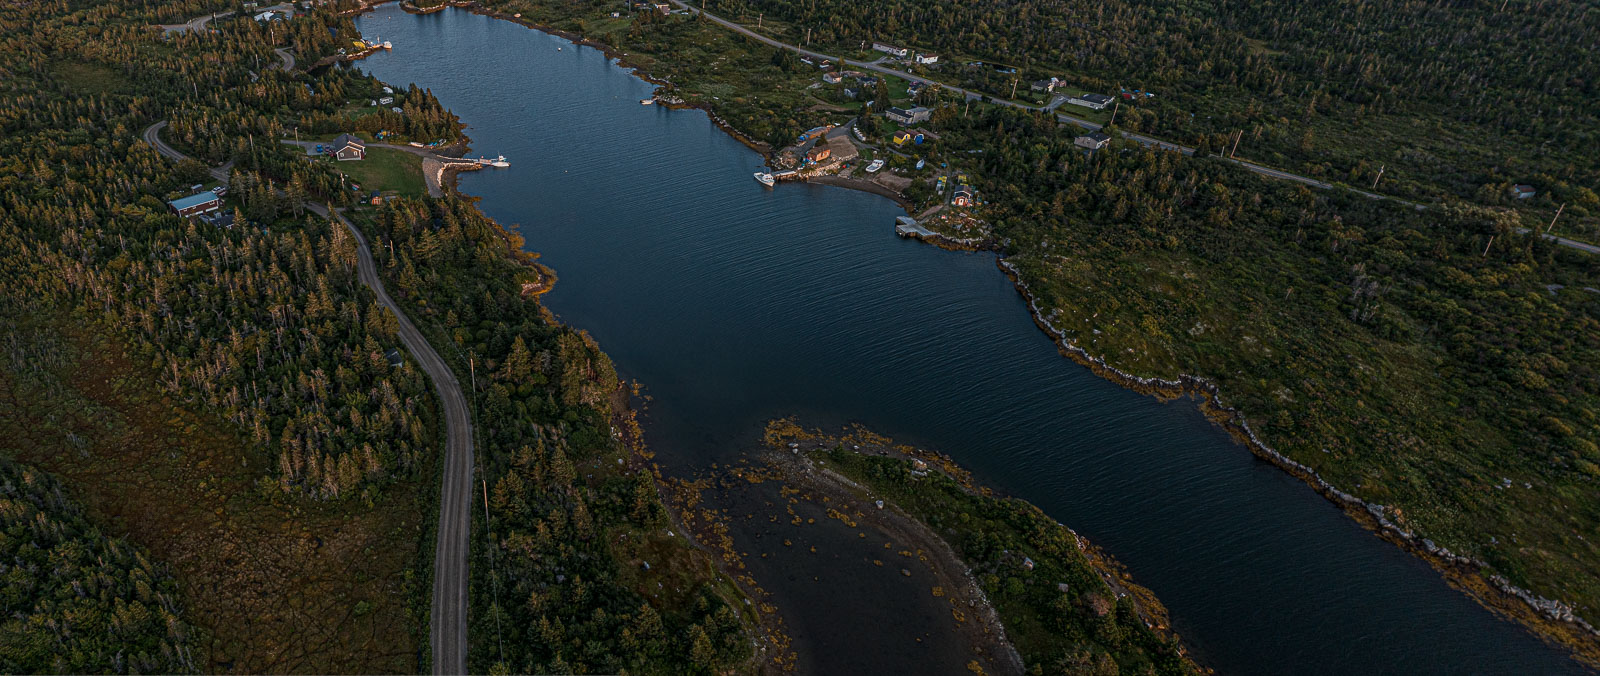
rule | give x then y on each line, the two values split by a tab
500	162
388	45
876	165
765	179
646	102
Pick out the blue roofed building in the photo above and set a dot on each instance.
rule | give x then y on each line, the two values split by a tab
198	203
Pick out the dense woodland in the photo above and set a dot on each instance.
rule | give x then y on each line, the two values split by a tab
566	585
265	326
1460	97
75	600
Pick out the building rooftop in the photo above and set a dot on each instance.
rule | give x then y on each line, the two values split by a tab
194	200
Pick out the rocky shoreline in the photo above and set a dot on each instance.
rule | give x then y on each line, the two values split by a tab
1549	618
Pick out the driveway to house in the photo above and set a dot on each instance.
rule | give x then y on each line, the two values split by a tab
448	620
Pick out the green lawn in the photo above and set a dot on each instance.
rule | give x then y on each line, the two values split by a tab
385	170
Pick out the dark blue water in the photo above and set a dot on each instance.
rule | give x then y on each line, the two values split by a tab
734	303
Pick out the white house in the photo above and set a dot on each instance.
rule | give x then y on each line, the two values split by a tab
889	49
913	116
1095	101
1093	140
927	59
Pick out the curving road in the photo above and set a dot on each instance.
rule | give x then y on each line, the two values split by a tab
152	136
448	620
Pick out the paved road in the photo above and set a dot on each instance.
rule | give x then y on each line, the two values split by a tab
1569	243
197	23
448	622
288	59
152	136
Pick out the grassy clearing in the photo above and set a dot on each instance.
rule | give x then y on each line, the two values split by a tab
273	583
385	170
88	79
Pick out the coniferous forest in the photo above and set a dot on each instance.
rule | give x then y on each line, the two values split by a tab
277	443
247	455
1460	98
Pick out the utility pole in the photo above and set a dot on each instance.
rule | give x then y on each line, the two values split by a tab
1486	246
1236	143
1380	175
808	37
1552	225
759	17
472	370
1013	88
966	110
1114	110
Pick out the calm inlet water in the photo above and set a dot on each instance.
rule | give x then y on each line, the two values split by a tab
734	303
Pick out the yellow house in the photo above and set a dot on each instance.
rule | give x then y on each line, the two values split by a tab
902	137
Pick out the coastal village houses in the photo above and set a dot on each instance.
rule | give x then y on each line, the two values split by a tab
348	147
1094	101
1046	86
1093	140
891	50
964	197
912	116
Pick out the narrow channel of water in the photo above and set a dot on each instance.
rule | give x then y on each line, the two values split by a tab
733	303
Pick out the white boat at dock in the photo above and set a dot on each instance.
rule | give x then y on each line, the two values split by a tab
876	165
765	179
646	102
388	45
496	162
